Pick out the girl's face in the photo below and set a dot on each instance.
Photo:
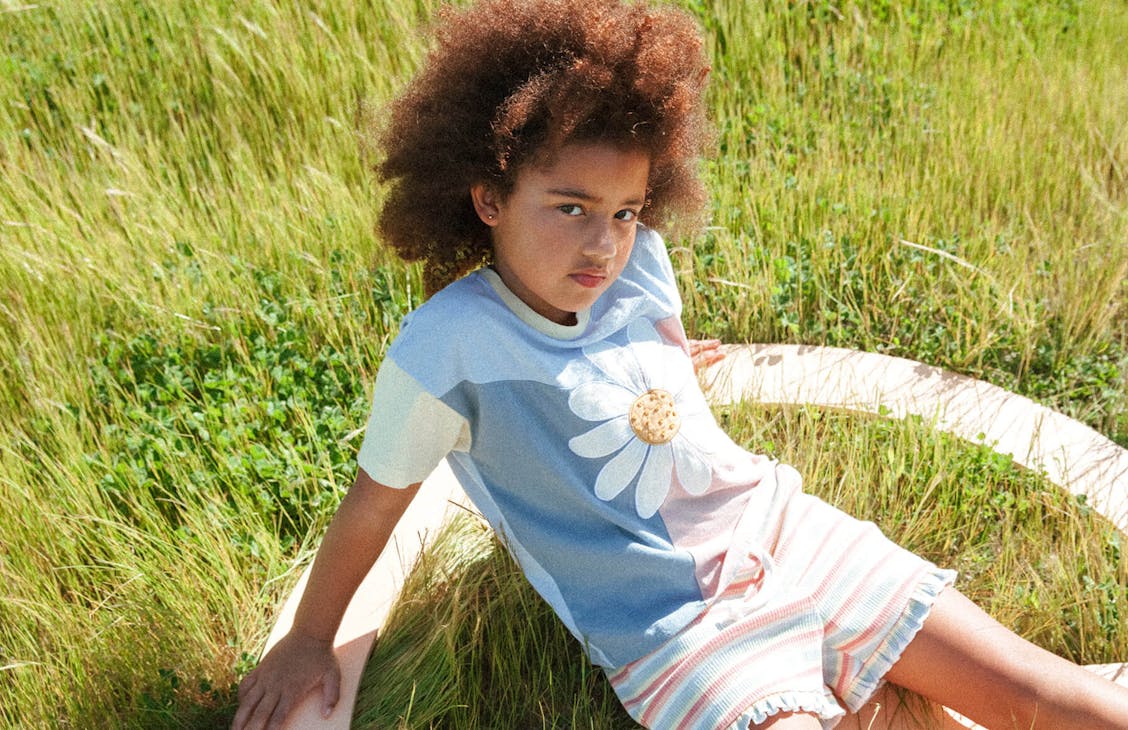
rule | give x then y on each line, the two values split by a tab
564	233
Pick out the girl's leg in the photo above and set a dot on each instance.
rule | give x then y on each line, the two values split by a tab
791	721
888	710
894	709
971	663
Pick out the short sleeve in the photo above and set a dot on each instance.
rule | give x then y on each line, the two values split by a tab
409	430
657	248
653	271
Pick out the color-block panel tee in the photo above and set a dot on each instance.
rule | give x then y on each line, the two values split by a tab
589	449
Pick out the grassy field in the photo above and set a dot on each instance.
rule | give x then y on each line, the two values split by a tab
192	304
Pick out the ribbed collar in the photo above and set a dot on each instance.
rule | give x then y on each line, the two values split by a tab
526	314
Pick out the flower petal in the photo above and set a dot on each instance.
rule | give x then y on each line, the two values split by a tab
617	473
691	401
599	400
604	439
654	481
692	470
646	354
678	374
700	433
619	365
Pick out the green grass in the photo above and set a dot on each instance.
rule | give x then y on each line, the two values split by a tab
944	181
192	304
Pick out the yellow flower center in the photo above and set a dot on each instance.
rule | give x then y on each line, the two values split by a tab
654	418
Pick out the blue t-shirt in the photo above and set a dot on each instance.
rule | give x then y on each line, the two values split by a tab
590	449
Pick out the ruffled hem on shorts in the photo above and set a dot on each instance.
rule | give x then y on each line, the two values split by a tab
871	676
827	710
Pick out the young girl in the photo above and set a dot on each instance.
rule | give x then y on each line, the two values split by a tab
552	372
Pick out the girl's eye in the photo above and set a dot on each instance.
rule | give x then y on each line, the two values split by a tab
571	209
626	215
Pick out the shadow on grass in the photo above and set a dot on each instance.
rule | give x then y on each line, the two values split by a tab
471	645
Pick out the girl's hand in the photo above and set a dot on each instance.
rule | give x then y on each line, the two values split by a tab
294	667
705	353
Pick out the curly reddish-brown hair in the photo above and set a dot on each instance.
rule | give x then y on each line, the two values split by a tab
510	82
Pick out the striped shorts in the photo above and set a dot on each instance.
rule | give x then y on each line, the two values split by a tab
815	608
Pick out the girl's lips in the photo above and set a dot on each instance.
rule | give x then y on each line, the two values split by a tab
589	281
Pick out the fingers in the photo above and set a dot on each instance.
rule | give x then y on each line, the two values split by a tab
247	683
330	693
260	710
705	353
281	711
260	705
256	708
246	706
705	347
293	668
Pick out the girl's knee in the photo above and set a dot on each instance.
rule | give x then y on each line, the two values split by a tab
791	721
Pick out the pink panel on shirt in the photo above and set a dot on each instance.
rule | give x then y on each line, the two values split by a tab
703	525
672	332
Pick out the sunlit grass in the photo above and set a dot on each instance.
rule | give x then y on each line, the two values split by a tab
944	185
192	304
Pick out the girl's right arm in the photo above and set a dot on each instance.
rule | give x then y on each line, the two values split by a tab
303	659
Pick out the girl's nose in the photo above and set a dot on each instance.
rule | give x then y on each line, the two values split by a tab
601	244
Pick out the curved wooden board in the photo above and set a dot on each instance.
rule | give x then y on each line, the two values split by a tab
1072	455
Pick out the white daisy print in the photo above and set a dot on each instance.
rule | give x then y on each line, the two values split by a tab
653	421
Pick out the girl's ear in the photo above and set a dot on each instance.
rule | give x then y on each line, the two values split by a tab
486	203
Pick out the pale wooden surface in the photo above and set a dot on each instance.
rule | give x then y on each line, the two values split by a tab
1071	454
439	496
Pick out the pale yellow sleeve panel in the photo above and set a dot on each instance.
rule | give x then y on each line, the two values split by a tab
409	431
